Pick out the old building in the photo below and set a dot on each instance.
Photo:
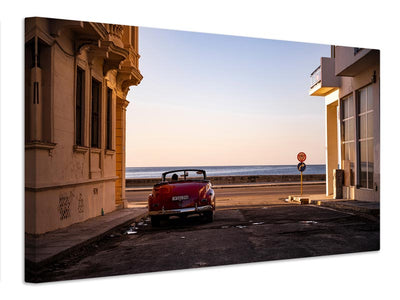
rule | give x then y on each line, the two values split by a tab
349	81
77	76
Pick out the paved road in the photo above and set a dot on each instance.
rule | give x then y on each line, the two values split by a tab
244	196
238	235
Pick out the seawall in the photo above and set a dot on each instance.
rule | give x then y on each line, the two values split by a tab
221	180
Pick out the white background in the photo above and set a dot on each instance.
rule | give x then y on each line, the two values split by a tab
370	24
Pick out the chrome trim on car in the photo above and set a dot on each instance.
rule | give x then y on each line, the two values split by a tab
198	209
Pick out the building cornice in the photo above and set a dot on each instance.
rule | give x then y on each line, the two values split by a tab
115	55
126	77
37	31
100	29
40	145
122	103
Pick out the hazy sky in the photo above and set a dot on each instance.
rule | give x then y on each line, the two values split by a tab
208	99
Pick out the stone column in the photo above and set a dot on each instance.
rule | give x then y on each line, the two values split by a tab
331	145
120	131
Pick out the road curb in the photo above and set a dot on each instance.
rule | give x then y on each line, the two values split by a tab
366	211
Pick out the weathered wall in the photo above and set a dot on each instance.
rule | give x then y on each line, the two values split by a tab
67	181
61	207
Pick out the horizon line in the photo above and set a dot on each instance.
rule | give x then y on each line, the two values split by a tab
172	166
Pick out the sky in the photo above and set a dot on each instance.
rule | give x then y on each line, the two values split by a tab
208	99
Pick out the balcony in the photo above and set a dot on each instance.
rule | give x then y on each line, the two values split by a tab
323	79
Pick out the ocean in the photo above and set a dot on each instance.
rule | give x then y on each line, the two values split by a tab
155	172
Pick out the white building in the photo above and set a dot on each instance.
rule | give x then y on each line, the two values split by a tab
349	81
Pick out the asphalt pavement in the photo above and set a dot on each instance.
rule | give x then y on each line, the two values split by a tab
55	246
236	236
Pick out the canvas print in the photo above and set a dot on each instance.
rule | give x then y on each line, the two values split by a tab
150	150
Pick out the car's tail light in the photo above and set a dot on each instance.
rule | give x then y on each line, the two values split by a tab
151	199
153	202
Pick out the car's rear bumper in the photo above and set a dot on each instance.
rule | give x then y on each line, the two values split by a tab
197	209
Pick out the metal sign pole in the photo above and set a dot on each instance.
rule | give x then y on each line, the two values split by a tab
301	157
301	183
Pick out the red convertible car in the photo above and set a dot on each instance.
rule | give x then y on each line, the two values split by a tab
181	193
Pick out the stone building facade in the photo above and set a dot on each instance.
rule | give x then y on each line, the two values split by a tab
350	82
77	76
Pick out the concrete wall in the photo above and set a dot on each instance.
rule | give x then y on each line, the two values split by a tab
219	180
54	208
328	78
350	63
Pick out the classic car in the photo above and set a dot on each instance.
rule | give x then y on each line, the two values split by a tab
181	193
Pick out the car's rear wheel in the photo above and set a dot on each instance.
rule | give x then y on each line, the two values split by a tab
209	216
155	221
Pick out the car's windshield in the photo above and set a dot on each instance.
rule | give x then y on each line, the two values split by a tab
184	175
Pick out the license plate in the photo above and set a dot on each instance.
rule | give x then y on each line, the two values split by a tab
180	198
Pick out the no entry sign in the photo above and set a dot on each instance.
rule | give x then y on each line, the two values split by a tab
301	156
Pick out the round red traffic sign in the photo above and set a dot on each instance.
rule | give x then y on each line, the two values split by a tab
301	156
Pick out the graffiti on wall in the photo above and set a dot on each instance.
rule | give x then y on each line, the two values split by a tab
81	207
64	205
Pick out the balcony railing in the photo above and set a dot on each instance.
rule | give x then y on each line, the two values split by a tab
323	79
315	77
